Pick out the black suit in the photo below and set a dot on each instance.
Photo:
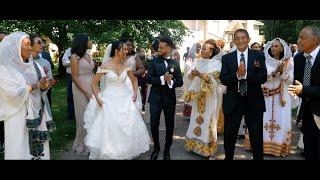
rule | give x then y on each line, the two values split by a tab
162	97
251	105
310	105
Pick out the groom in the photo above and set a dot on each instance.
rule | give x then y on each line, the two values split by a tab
164	75
243	71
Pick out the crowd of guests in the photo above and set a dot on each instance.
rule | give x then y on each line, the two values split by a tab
263	110
252	88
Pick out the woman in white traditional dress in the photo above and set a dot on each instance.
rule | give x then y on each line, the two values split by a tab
277	127
205	94
115	128
192	58
24	107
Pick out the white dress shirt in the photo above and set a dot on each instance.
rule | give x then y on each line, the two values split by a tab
162	77
314	54
66	60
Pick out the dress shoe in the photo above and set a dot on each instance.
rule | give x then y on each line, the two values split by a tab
154	155
166	156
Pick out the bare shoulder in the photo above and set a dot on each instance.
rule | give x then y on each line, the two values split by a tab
74	57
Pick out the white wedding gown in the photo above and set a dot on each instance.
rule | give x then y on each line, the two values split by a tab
117	130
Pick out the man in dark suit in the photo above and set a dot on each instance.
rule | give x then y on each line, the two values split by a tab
243	71
307	87
164	75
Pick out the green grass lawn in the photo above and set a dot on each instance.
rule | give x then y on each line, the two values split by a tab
65	131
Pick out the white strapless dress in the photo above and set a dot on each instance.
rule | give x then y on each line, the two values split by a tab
116	130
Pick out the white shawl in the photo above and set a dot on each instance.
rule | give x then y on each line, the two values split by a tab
15	77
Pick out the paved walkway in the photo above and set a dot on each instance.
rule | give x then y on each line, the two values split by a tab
178	151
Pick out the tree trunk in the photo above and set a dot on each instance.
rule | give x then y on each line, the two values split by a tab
61	45
61	69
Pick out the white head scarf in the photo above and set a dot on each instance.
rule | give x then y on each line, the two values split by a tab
10	51
14	75
272	63
286	49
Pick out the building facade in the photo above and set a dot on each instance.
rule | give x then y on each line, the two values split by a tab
202	30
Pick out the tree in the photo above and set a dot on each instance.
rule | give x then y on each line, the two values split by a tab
102	32
286	29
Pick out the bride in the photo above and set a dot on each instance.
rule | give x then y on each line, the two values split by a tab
115	128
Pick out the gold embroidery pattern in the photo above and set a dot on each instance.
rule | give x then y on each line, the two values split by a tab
273	148
199	147
201	102
201	109
189	96
216	75
272	92
273	127
200	97
197	131
200	120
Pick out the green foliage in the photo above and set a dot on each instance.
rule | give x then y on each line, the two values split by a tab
101	31
286	29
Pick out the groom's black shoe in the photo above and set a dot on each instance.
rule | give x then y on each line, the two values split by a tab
154	154
166	156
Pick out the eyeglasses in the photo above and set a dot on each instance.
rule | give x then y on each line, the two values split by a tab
39	42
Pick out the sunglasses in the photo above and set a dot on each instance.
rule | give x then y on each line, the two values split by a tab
39	42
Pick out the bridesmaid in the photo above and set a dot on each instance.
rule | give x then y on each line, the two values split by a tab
81	71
